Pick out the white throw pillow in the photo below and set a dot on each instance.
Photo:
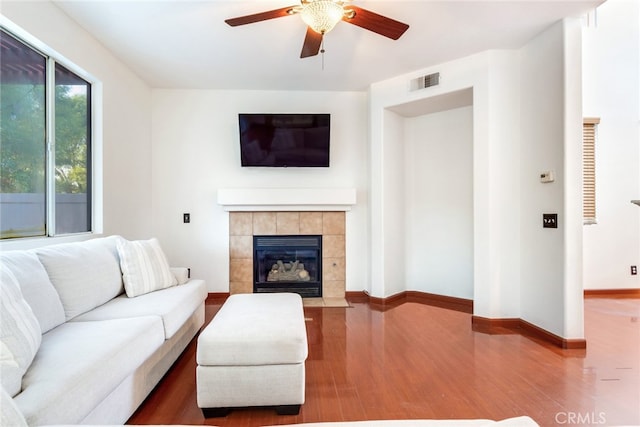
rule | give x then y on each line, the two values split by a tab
181	273
144	267
20	335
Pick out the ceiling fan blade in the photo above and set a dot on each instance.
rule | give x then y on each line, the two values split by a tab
262	16
312	42
373	22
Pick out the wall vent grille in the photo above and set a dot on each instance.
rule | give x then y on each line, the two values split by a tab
425	81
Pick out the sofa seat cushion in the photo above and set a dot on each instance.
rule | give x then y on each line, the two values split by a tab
80	363
85	274
174	305
36	287
253	330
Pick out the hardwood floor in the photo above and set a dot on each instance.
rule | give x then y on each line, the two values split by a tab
417	361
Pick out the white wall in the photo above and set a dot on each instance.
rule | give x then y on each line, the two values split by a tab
551	258
388	163
439	202
542	150
394	206
611	87
167	152
494	81
126	118
196	152
497	191
526	119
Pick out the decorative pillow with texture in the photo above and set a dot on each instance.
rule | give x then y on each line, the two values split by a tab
144	267
20	335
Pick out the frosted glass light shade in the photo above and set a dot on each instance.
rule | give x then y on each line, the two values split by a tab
322	15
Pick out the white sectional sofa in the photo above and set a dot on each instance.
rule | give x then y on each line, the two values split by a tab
89	328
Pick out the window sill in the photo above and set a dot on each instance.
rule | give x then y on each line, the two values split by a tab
26	243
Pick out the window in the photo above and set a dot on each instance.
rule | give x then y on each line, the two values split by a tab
45	144
589	133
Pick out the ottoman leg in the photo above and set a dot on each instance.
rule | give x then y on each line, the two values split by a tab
288	409
215	412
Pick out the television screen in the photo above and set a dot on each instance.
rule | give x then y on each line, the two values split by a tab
284	140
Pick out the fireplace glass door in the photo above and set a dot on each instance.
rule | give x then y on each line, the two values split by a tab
288	264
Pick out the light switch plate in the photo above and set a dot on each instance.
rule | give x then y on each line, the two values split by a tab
549	220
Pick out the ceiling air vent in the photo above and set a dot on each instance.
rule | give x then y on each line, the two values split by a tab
425	81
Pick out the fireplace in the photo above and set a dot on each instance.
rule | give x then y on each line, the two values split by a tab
290	263
245	225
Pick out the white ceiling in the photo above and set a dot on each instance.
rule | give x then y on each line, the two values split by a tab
186	44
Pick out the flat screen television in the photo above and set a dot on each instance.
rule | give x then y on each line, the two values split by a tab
284	140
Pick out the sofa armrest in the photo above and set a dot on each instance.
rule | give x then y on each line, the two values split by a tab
181	273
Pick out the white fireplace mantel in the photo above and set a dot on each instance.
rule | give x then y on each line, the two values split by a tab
287	199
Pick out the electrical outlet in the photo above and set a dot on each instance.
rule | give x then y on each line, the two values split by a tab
634	270
186	218
549	220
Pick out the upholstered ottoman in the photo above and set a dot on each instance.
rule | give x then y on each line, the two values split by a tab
253	354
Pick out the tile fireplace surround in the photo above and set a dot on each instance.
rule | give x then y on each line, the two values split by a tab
270	212
244	225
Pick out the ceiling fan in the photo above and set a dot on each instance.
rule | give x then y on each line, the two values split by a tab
322	15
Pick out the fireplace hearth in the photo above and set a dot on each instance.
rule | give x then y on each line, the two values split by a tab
289	263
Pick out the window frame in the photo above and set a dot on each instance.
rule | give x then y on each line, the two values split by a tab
94	156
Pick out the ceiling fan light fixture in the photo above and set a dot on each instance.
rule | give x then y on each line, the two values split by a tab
322	15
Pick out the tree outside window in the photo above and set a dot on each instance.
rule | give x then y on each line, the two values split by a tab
26	170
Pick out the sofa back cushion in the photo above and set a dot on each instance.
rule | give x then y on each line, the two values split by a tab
36	287
85	274
20	335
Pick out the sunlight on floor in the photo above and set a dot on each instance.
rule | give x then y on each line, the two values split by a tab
325	302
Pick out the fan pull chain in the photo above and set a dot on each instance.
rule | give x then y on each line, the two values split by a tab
322	52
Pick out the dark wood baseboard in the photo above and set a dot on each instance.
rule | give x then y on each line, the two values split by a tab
357	297
612	293
565	343
495	326
452	303
519	326
383	304
442	301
